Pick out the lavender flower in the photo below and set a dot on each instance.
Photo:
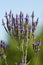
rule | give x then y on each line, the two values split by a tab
3	22
13	20
32	14
2	44
36	45
17	19
27	18
21	18
12	27
33	28
4	25
10	14
22	31
37	21
6	15
34	24
16	25
22	28
21	15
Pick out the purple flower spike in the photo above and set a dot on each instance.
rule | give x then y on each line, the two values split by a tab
22	28
37	21
27	18
13	19
33	28
17	19
16	25
21	15
10	14
2	44
12	27
39	43
36	46
6	15
3	22
32	14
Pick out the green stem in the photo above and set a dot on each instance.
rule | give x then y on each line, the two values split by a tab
4	57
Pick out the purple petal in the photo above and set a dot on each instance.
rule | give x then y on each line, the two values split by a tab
13	19
21	63
16	25
17	19
10	14
27	20
37	43
4	45
22	28
12	26
21	15
33	28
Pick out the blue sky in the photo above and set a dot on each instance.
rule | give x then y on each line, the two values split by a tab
26	6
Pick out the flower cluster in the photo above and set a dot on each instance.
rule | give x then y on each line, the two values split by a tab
3	47
2	52
19	27
34	23
16	26
2	44
36	45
